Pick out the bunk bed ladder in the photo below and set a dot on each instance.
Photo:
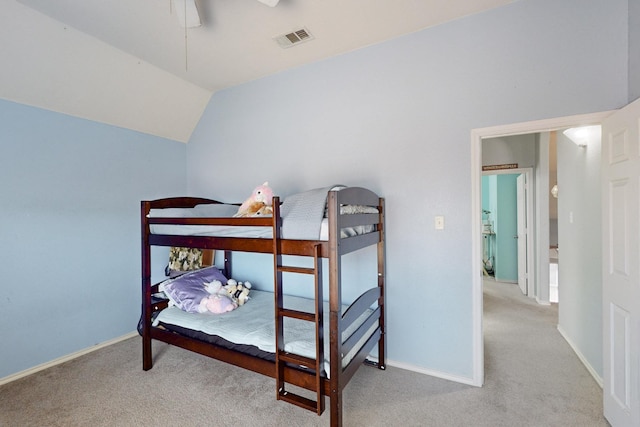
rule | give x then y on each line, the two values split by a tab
283	357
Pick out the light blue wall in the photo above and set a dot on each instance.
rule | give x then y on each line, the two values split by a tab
486	198
499	196
489	239
396	117
506	268
69	230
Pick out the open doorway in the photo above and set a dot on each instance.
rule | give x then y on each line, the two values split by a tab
554	258
541	250
507	227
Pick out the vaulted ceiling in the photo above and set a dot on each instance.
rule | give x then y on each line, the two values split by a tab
131	63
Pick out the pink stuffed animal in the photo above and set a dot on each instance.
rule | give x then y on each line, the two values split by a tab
217	304
261	194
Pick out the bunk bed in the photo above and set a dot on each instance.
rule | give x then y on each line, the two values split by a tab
352	219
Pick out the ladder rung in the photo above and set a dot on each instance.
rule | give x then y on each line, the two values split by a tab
302	315
297	360
298	400
291	269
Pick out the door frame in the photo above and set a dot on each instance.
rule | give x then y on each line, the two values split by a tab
524	213
477	135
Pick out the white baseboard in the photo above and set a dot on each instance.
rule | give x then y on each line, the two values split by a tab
63	359
539	301
583	359
430	372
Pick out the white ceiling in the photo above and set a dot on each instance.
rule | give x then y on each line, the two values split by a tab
235	43
127	62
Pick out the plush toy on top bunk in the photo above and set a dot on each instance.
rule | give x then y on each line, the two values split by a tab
258	204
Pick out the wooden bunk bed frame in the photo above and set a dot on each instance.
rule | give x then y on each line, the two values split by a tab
287	368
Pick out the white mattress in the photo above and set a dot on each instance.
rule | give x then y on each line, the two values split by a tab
253	324
227	211
204	211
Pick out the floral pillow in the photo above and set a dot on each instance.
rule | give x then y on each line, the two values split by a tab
183	259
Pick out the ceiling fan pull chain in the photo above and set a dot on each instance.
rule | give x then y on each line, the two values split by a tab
186	53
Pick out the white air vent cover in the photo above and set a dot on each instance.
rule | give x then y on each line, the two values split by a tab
293	38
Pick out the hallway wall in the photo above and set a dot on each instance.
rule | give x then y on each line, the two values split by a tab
580	254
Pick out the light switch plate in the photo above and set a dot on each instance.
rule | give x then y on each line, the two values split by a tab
439	222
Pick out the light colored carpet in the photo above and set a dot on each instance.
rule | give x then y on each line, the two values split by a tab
532	379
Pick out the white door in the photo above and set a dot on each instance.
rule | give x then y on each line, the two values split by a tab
521	201
621	257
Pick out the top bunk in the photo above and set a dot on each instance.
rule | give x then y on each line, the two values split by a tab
342	219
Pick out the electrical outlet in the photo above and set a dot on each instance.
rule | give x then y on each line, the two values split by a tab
439	222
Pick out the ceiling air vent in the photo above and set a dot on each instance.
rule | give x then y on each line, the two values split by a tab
293	38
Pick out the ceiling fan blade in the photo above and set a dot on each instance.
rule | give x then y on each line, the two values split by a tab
187	13
271	3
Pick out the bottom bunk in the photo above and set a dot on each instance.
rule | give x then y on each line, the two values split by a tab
245	336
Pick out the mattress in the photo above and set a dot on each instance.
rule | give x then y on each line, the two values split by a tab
227	211
252	326
204	211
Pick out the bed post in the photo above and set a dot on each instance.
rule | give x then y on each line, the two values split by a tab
335	311
381	284
227	264
147	360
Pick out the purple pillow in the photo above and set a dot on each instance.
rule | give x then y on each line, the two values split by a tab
186	291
